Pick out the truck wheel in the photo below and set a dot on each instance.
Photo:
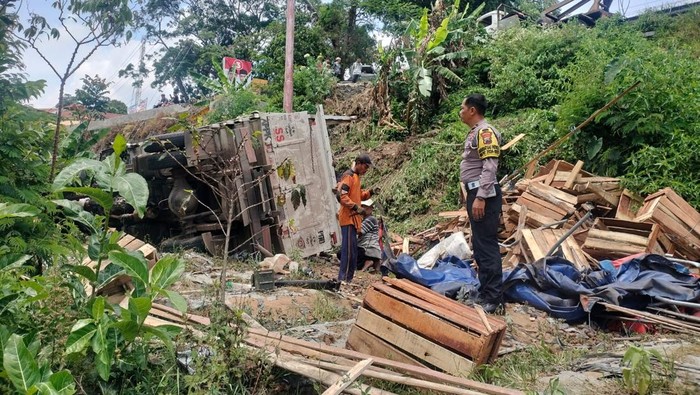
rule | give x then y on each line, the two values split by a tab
183	243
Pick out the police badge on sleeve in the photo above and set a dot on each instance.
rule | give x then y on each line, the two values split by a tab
488	146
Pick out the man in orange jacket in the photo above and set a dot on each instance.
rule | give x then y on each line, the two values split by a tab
350	215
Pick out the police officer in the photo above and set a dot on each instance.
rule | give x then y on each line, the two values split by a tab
478	173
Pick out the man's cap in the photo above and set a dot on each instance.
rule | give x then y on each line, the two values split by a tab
363	159
338	58
368	203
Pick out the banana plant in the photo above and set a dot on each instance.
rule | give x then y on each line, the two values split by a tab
433	52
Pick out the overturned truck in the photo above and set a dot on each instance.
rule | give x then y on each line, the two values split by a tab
266	180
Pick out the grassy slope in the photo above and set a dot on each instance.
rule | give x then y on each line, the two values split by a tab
419	176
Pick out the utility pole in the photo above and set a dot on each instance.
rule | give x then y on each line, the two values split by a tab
138	84
289	59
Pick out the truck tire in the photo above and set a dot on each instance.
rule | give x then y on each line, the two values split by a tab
183	243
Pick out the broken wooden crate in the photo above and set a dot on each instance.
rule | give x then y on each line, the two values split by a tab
408	323
117	283
679	221
613	238
536	243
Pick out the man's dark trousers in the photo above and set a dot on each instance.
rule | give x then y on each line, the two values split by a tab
486	250
348	253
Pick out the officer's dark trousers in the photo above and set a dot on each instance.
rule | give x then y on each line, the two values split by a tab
348	253
486	251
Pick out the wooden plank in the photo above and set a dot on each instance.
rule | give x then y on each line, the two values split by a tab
512	142
280	340
362	341
609	197
542	207
569	183
534	248
405	245
443	301
604	248
427	325
453	214
396	378
135	244
531	218
414	344
126	239
348	378
465	320
552	173
546	192
618	237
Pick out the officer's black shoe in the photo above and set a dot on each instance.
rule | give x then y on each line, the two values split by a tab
493	308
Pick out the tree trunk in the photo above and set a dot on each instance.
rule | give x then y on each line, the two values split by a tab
352	22
227	243
181	87
57	132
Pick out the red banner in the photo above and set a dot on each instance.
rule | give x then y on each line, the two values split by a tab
237	68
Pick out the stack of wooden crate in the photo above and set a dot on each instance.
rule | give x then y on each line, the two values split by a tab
408	323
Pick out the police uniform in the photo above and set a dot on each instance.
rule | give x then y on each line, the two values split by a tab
478	173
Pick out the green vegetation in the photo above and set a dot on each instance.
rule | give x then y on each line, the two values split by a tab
544	81
522	369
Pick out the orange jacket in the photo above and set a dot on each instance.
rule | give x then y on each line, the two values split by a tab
351	196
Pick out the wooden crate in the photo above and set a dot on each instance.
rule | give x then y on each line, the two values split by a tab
121	283
678	220
611	238
406	322
537	242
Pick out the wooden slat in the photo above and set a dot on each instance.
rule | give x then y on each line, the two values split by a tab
440	300
348	378
126	239
362	341
532	245
607	249
572	176
414	344
428	325
464	319
541	207
556	196
618	237
280	341
512	142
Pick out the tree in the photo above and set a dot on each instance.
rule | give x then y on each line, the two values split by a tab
116	107
93	94
90	24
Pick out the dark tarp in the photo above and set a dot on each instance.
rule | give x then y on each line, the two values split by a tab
553	284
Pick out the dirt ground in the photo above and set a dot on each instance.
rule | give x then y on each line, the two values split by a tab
539	353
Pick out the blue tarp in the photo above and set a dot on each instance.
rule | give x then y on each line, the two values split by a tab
554	285
448	276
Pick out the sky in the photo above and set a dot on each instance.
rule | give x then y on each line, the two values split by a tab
106	62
